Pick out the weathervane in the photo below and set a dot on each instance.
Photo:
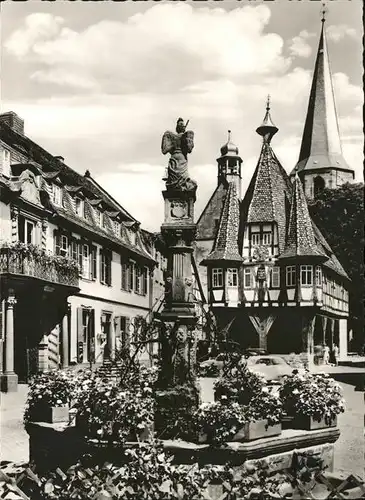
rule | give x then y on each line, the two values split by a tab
324	12
268	103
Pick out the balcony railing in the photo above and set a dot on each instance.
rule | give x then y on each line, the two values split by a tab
28	260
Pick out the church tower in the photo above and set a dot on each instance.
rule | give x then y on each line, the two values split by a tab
229	165
321	163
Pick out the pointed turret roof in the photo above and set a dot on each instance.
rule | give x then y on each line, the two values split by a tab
269	192
321	143
300	241
226	242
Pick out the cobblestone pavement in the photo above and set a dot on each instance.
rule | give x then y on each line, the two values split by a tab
13	438
349	449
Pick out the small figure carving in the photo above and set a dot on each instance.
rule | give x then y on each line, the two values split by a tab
179	145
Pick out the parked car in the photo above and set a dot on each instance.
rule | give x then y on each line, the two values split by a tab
272	367
254	351
218	361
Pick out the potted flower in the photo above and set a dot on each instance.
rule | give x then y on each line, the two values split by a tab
108	411
239	385
264	415
312	400
218	422
227	420
49	397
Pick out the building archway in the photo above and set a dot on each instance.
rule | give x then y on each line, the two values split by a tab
318	184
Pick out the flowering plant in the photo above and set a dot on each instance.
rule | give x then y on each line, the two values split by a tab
239	385
220	421
40	255
265	406
316	395
54	388
111	410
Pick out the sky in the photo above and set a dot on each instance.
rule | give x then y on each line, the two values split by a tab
99	82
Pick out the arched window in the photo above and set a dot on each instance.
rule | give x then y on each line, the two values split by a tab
319	184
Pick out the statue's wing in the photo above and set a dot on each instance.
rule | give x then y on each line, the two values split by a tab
188	140
167	142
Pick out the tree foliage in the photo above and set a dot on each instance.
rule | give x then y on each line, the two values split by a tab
339	214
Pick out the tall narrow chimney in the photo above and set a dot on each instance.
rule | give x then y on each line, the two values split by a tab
13	121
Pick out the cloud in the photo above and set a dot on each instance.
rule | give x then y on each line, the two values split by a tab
299	45
38	26
163	48
337	33
345	90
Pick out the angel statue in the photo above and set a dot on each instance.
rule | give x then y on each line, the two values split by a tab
179	145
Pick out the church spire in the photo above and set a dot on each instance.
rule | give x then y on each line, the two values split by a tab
321	143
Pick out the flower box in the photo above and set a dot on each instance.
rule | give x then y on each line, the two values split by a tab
50	414
257	430
308	423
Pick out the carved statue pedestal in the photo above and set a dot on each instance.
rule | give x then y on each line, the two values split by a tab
179	207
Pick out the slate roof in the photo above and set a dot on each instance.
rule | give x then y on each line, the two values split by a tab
226	242
300	241
52	167
206	228
268	195
332	262
321	144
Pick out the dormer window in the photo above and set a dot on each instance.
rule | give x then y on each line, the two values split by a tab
98	218
79	207
255	239
5	162
56	194
116	227
267	238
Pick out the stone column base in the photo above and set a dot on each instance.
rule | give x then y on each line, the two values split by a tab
9	382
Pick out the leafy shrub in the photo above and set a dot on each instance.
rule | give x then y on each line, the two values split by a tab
316	395
175	407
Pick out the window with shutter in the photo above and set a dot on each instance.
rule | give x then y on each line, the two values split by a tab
94	252
145	281
74	250
57	243
124	277
85	263
63	245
